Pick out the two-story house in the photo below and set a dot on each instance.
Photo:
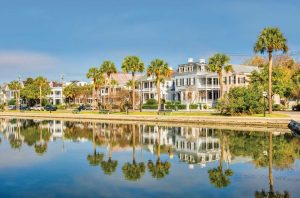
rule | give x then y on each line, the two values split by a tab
194	84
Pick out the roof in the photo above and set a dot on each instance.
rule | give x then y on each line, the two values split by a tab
123	78
244	68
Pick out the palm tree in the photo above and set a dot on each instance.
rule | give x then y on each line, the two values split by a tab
96	158
218	63
41	146
95	75
270	39
41	82
16	87
132	64
161	70
160	169
217	177
108	67
271	193
110	165
16	142
133	171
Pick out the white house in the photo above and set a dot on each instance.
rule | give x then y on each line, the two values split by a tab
194	84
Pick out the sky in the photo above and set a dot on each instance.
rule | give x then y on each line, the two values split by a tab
68	37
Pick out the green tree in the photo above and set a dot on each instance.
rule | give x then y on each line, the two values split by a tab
217	177
217	63
108	67
44	88
96	158
133	171
71	92
41	146
110	165
16	86
270	40
96	76
132	64
282	83
15	141
160	70
159	169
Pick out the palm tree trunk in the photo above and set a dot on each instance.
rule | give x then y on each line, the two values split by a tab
222	152
221	84
133	144
108	93
270	162
94	90
133	91
94	143
270	83
158	148
40	95
158	94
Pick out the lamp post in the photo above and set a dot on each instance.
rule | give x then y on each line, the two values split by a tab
265	95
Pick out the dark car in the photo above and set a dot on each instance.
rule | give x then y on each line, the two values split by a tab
24	108
50	108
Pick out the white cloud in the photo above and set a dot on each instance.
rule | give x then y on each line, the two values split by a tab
14	63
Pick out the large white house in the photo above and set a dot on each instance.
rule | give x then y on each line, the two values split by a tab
194	84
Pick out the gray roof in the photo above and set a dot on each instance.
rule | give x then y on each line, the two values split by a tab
244	68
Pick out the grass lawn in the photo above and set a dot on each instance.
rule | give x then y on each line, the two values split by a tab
154	113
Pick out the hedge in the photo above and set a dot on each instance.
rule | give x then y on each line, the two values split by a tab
147	106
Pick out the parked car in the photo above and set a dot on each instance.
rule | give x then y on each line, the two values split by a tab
296	107
24	108
12	107
50	108
37	108
88	107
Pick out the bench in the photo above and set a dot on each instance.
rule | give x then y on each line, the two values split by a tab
164	111
104	111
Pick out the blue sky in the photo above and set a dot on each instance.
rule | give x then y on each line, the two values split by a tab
54	37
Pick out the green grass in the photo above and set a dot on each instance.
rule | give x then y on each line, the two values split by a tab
154	113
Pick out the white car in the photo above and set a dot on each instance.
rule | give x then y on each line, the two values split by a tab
37	108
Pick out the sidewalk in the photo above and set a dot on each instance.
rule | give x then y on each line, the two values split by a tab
215	120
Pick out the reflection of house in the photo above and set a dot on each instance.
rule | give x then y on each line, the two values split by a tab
193	83
150	135
196	145
56	128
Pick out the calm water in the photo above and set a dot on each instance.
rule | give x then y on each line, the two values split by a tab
72	159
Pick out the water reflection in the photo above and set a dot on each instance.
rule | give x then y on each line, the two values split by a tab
212	150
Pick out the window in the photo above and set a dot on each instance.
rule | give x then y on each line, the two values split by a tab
229	80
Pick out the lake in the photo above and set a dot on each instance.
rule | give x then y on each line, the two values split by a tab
55	158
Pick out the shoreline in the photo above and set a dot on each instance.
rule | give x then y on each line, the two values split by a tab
240	122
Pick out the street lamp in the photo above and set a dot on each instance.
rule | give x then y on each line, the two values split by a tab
265	95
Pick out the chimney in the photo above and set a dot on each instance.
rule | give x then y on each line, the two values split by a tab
202	61
190	60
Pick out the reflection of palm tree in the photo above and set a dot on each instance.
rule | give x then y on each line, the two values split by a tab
41	147
271	193
95	158
16	142
217	177
160	169
133	171
110	165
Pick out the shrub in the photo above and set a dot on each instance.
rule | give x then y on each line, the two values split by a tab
241	100
193	106
61	106
277	107
181	106
147	106
151	101
12	102
1	107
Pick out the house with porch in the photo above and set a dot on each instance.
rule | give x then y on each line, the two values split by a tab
194	84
